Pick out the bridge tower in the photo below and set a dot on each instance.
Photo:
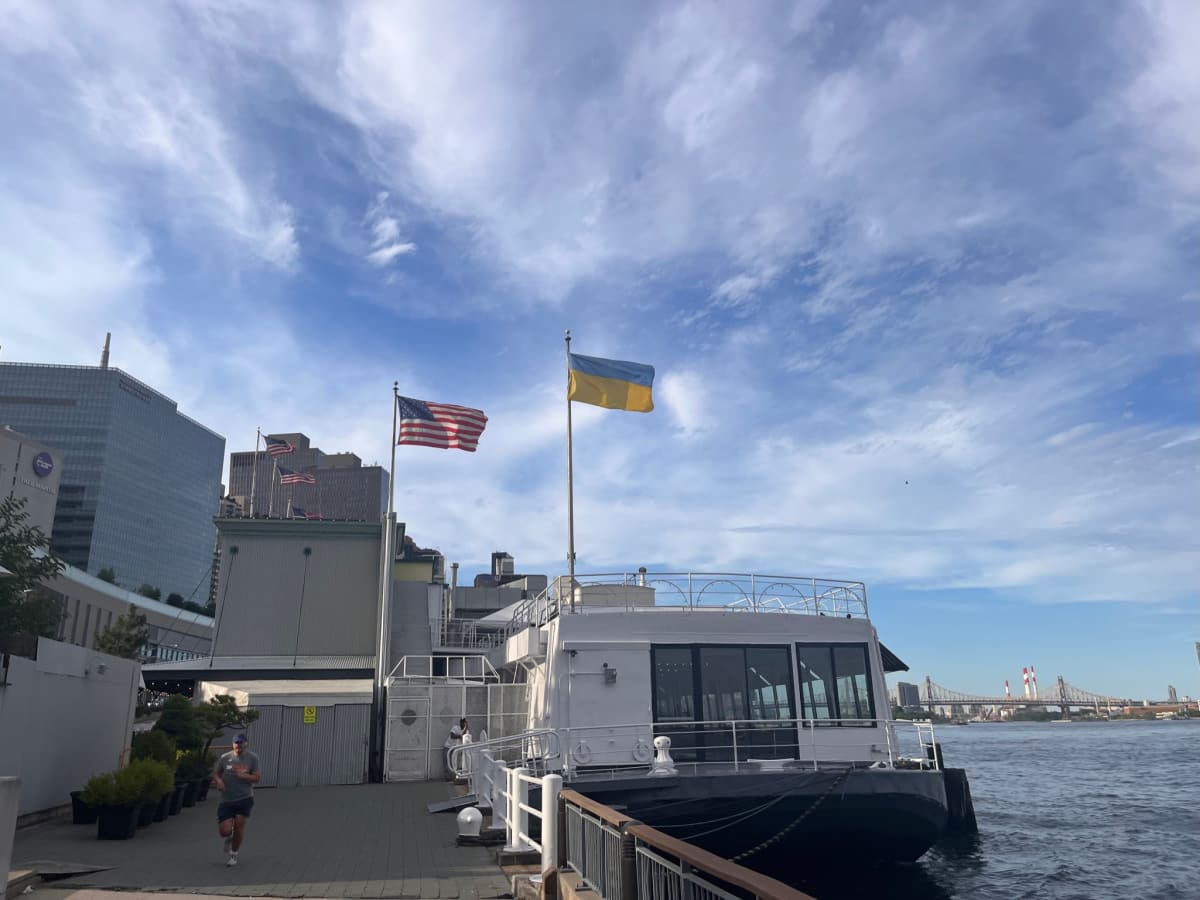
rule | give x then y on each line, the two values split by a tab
1062	696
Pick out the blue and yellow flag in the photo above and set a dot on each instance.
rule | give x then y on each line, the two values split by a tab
611	383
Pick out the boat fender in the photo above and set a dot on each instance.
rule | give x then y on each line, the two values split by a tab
642	751
582	753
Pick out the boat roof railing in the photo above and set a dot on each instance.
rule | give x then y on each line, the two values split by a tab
693	591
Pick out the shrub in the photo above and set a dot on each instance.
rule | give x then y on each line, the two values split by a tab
100	790
155	745
129	785
154	778
194	765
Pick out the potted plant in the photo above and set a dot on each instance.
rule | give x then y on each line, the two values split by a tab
118	817
191	771
157	780
85	804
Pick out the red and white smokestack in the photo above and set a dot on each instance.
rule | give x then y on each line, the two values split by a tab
1007	692
1025	675
1033	678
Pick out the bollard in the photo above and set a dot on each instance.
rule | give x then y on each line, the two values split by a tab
10	800
551	786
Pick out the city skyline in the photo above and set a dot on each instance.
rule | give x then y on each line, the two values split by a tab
918	284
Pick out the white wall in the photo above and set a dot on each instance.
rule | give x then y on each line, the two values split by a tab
62	720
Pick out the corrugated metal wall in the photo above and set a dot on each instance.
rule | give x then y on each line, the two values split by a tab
264	741
331	750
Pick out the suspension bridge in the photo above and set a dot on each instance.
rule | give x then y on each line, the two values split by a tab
1062	696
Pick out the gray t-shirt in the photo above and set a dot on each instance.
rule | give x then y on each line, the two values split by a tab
227	765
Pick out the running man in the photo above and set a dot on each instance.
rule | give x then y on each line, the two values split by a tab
235	776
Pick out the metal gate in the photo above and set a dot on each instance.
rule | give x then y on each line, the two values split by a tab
330	747
407	751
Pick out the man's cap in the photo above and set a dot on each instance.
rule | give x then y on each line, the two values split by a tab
240	739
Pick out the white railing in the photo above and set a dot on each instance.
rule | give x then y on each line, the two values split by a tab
468	634
727	592
459	668
515	802
755	745
539	750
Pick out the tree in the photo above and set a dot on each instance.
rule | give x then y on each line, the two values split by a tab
180	723
149	590
174	599
221	713
107	574
125	637
25	552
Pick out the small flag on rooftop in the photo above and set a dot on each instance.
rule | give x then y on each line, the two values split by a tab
287	476
278	446
441	425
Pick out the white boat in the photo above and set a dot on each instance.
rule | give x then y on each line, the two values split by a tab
746	714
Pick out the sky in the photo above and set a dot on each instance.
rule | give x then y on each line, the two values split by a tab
918	281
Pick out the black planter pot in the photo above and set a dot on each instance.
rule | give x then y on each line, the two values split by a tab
162	808
117	823
189	792
81	813
176	799
146	814
202	793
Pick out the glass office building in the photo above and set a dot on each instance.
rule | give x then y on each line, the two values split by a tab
140	482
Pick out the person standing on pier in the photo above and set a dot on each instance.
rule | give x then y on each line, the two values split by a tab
235	775
454	739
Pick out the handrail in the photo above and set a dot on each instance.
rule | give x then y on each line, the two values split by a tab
460	756
599	810
761	886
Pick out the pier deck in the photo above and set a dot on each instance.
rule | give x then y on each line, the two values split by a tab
361	841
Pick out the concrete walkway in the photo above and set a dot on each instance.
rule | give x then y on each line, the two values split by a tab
356	841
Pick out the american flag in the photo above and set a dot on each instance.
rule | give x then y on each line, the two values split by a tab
298	513
278	446
287	476
441	425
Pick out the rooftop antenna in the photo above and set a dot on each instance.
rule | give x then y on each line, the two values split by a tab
104	353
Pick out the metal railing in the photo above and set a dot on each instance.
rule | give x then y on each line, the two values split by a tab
755	745
720	591
461	668
538	750
621	859
468	634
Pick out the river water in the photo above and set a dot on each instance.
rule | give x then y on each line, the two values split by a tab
1070	811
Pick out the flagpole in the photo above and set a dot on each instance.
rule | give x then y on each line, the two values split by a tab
254	471
570	483
378	735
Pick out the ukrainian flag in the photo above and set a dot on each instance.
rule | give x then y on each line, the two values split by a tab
611	383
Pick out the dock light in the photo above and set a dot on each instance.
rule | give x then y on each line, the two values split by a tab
470	820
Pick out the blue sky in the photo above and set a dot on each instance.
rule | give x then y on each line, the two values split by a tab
919	282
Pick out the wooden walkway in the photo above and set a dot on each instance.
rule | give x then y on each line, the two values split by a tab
358	841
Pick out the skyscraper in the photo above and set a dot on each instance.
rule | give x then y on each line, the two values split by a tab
140	481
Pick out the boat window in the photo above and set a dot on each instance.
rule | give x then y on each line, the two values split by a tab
835	683
769	677
674	690
723	683
699	689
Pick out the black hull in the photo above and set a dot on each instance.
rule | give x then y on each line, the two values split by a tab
772	822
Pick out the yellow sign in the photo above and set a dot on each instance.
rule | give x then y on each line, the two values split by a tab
310	715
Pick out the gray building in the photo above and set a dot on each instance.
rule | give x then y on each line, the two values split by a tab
342	489
31	471
90	606
907	696
140	481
